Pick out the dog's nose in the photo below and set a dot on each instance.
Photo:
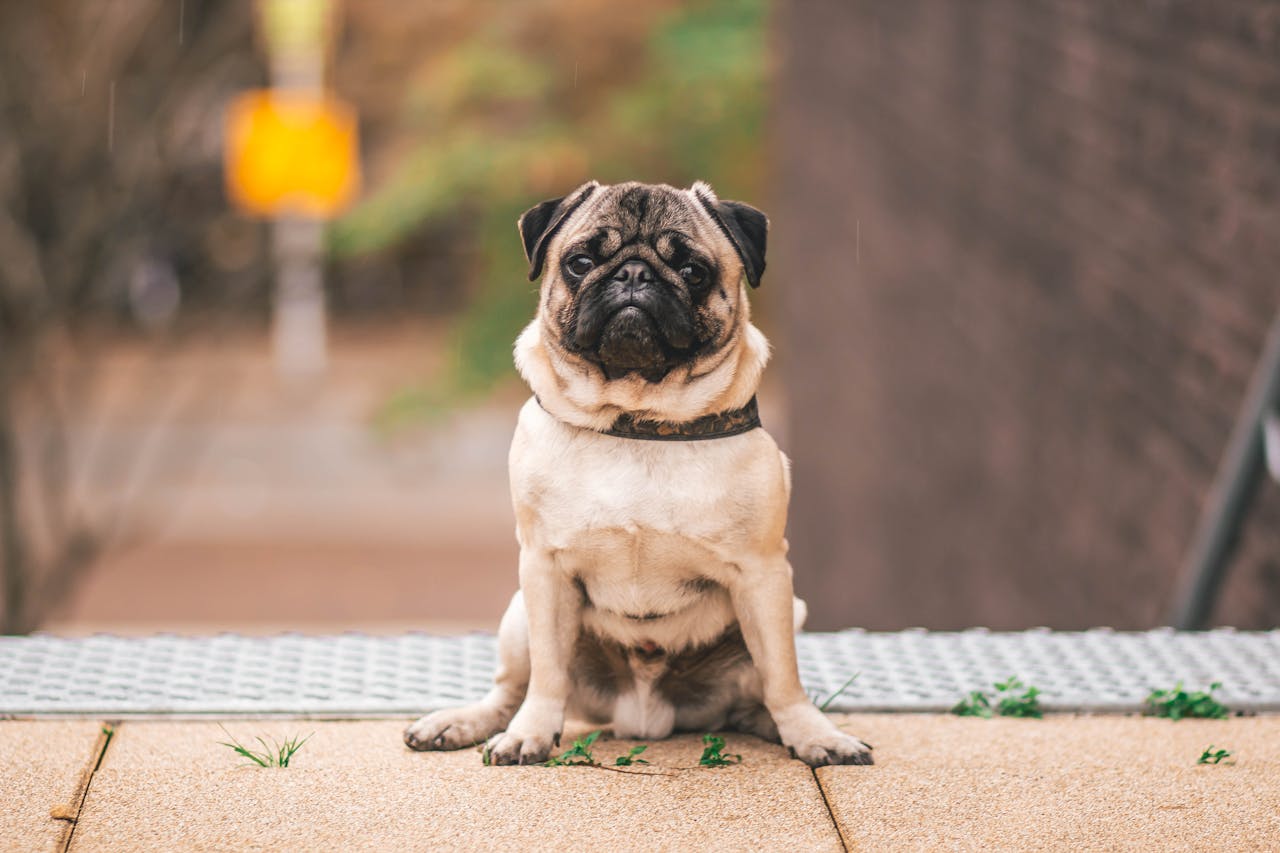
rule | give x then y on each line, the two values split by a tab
634	272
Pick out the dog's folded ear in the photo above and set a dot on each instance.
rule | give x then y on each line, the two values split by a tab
746	228
539	224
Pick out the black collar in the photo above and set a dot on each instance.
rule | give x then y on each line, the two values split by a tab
719	425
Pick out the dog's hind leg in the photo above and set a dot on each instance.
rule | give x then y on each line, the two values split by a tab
470	725
754	720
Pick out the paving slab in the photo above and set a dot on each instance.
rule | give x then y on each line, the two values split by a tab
43	770
354	786
1061	783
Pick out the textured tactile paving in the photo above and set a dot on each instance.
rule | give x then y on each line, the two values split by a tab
352	675
1099	670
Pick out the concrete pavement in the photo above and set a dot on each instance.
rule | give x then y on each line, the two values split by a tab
940	782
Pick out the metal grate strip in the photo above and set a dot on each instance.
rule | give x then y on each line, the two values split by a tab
352	675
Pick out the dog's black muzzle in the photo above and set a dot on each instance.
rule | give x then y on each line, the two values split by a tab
633	320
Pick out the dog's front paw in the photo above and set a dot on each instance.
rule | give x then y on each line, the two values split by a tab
533	733
838	748
816	741
455	728
511	748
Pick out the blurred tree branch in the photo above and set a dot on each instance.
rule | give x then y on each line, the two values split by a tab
109	138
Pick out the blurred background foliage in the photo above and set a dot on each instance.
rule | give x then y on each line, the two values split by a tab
137	390
1060	231
521	102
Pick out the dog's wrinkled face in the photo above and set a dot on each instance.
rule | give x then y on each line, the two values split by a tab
642	278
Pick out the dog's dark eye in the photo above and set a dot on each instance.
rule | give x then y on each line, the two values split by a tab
579	265
693	273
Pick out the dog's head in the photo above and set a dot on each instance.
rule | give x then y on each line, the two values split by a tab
638	279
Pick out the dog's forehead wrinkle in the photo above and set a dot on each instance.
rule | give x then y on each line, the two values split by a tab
679	245
596	240
636	200
667	245
664	217
640	208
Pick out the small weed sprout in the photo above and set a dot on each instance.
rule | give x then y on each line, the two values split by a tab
976	704
1012	699
577	755
1179	703
1012	703
630	758
276	754
816	698
580	755
713	754
1213	756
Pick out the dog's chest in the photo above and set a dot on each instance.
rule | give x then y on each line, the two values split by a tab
641	587
633	540
636	507
652	532
659	504
647	559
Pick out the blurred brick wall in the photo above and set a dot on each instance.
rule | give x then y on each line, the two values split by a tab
1025	256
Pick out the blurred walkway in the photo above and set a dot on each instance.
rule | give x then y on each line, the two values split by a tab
272	509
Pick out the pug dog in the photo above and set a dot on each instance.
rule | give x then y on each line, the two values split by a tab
655	592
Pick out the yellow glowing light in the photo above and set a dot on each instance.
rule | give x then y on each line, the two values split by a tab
291	153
